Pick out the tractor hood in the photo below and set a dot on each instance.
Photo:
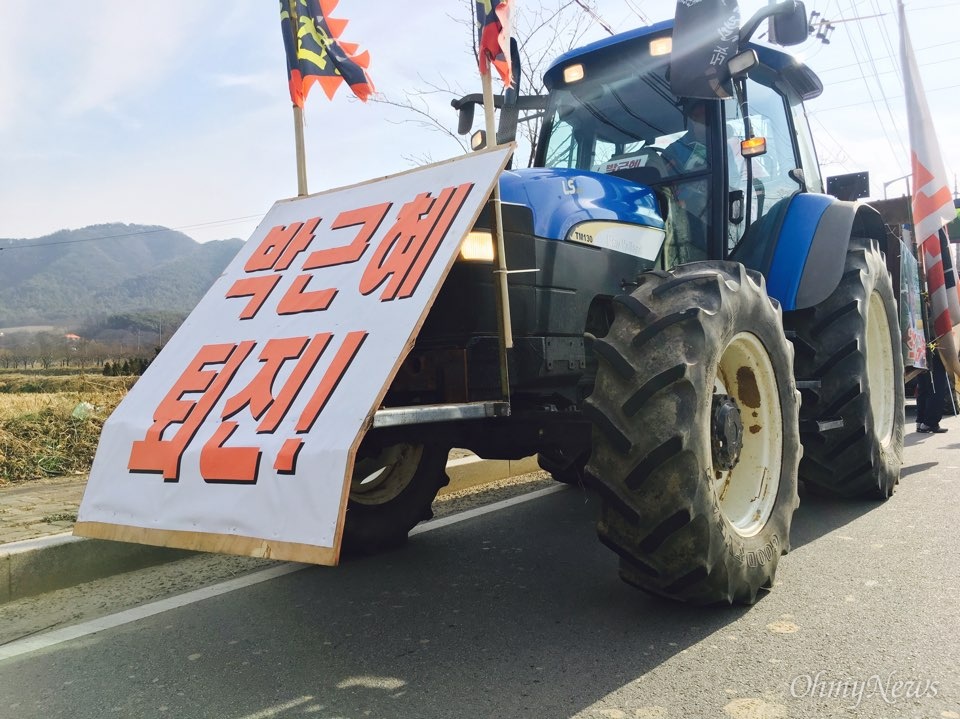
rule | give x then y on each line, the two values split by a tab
560	199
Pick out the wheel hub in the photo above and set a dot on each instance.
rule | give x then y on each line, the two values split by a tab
380	478
726	432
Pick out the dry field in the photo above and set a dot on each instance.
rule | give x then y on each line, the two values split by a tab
50	423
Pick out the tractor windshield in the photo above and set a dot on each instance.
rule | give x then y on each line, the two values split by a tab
629	125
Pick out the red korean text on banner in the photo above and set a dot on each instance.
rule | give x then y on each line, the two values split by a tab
297	299
408	247
220	463
400	259
276	252
154	454
282	245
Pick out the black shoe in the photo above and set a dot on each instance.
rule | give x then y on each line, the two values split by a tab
938	429
935	429
923	429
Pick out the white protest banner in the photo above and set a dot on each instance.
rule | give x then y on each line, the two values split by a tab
240	437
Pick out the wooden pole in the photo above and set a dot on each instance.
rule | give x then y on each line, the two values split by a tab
298	111
301	154
502	295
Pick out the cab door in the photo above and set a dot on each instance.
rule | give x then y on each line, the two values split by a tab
763	184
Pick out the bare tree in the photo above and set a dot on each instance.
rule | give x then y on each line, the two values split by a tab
46	345
542	31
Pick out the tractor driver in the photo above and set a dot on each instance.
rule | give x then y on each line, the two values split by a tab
688	198
688	153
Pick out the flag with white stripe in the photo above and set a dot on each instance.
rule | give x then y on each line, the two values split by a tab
932	201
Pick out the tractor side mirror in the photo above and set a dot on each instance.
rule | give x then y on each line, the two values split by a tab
465	118
736	207
790	28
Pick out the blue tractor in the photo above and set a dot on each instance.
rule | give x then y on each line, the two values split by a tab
697	326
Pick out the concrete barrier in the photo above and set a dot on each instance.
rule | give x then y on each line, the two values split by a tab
35	566
471	471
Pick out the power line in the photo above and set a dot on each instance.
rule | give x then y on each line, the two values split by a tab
852	64
887	72
863	72
865	102
592	13
644	18
891	52
230	221
952	5
841	148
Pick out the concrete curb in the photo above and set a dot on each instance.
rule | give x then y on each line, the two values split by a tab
472	471
35	566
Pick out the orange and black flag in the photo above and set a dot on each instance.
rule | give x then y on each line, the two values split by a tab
493	35
315	52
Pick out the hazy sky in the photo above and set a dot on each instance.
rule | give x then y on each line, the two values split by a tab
177	112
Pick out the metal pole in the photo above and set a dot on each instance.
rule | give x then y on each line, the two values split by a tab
502	295
896	179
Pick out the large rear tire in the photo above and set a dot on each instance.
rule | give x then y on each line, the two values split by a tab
391	492
851	344
696	439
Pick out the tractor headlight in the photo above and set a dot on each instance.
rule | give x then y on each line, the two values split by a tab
477	246
661	46
573	73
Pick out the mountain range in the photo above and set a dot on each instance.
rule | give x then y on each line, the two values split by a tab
77	277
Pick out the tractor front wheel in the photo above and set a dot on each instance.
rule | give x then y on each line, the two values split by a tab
696	435
390	493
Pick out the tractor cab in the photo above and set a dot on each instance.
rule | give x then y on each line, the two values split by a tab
718	167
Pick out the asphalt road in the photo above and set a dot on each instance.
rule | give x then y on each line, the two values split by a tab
519	613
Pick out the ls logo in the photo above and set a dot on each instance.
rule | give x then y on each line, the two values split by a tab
570	186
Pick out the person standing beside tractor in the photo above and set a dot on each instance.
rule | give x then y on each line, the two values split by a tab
932	388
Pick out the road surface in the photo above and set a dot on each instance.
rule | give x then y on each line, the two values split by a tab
519	613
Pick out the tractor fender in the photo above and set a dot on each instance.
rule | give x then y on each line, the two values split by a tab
811	247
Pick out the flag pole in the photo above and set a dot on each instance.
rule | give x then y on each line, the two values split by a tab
301	154
297	110
502	294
